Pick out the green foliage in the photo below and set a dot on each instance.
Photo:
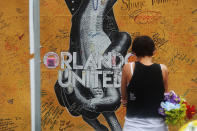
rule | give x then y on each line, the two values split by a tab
176	116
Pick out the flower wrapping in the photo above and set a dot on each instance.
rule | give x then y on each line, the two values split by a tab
175	109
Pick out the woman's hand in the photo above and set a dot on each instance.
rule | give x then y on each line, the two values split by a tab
124	102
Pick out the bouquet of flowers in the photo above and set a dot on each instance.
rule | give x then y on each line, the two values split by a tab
175	109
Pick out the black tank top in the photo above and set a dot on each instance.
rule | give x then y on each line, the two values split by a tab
145	91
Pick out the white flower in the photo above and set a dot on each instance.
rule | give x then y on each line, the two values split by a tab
169	106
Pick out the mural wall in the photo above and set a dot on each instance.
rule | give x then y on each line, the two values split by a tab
80	71
79	83
14	72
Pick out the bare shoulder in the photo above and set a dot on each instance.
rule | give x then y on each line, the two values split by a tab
126	67
164	68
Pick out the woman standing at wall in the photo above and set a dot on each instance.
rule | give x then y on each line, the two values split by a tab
142	88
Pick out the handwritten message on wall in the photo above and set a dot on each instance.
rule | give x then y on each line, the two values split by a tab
14	72
171	24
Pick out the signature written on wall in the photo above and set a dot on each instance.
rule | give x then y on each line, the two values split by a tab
50	115
3	23
179	56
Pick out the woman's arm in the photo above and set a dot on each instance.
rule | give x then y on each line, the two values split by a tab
165	76
124	85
